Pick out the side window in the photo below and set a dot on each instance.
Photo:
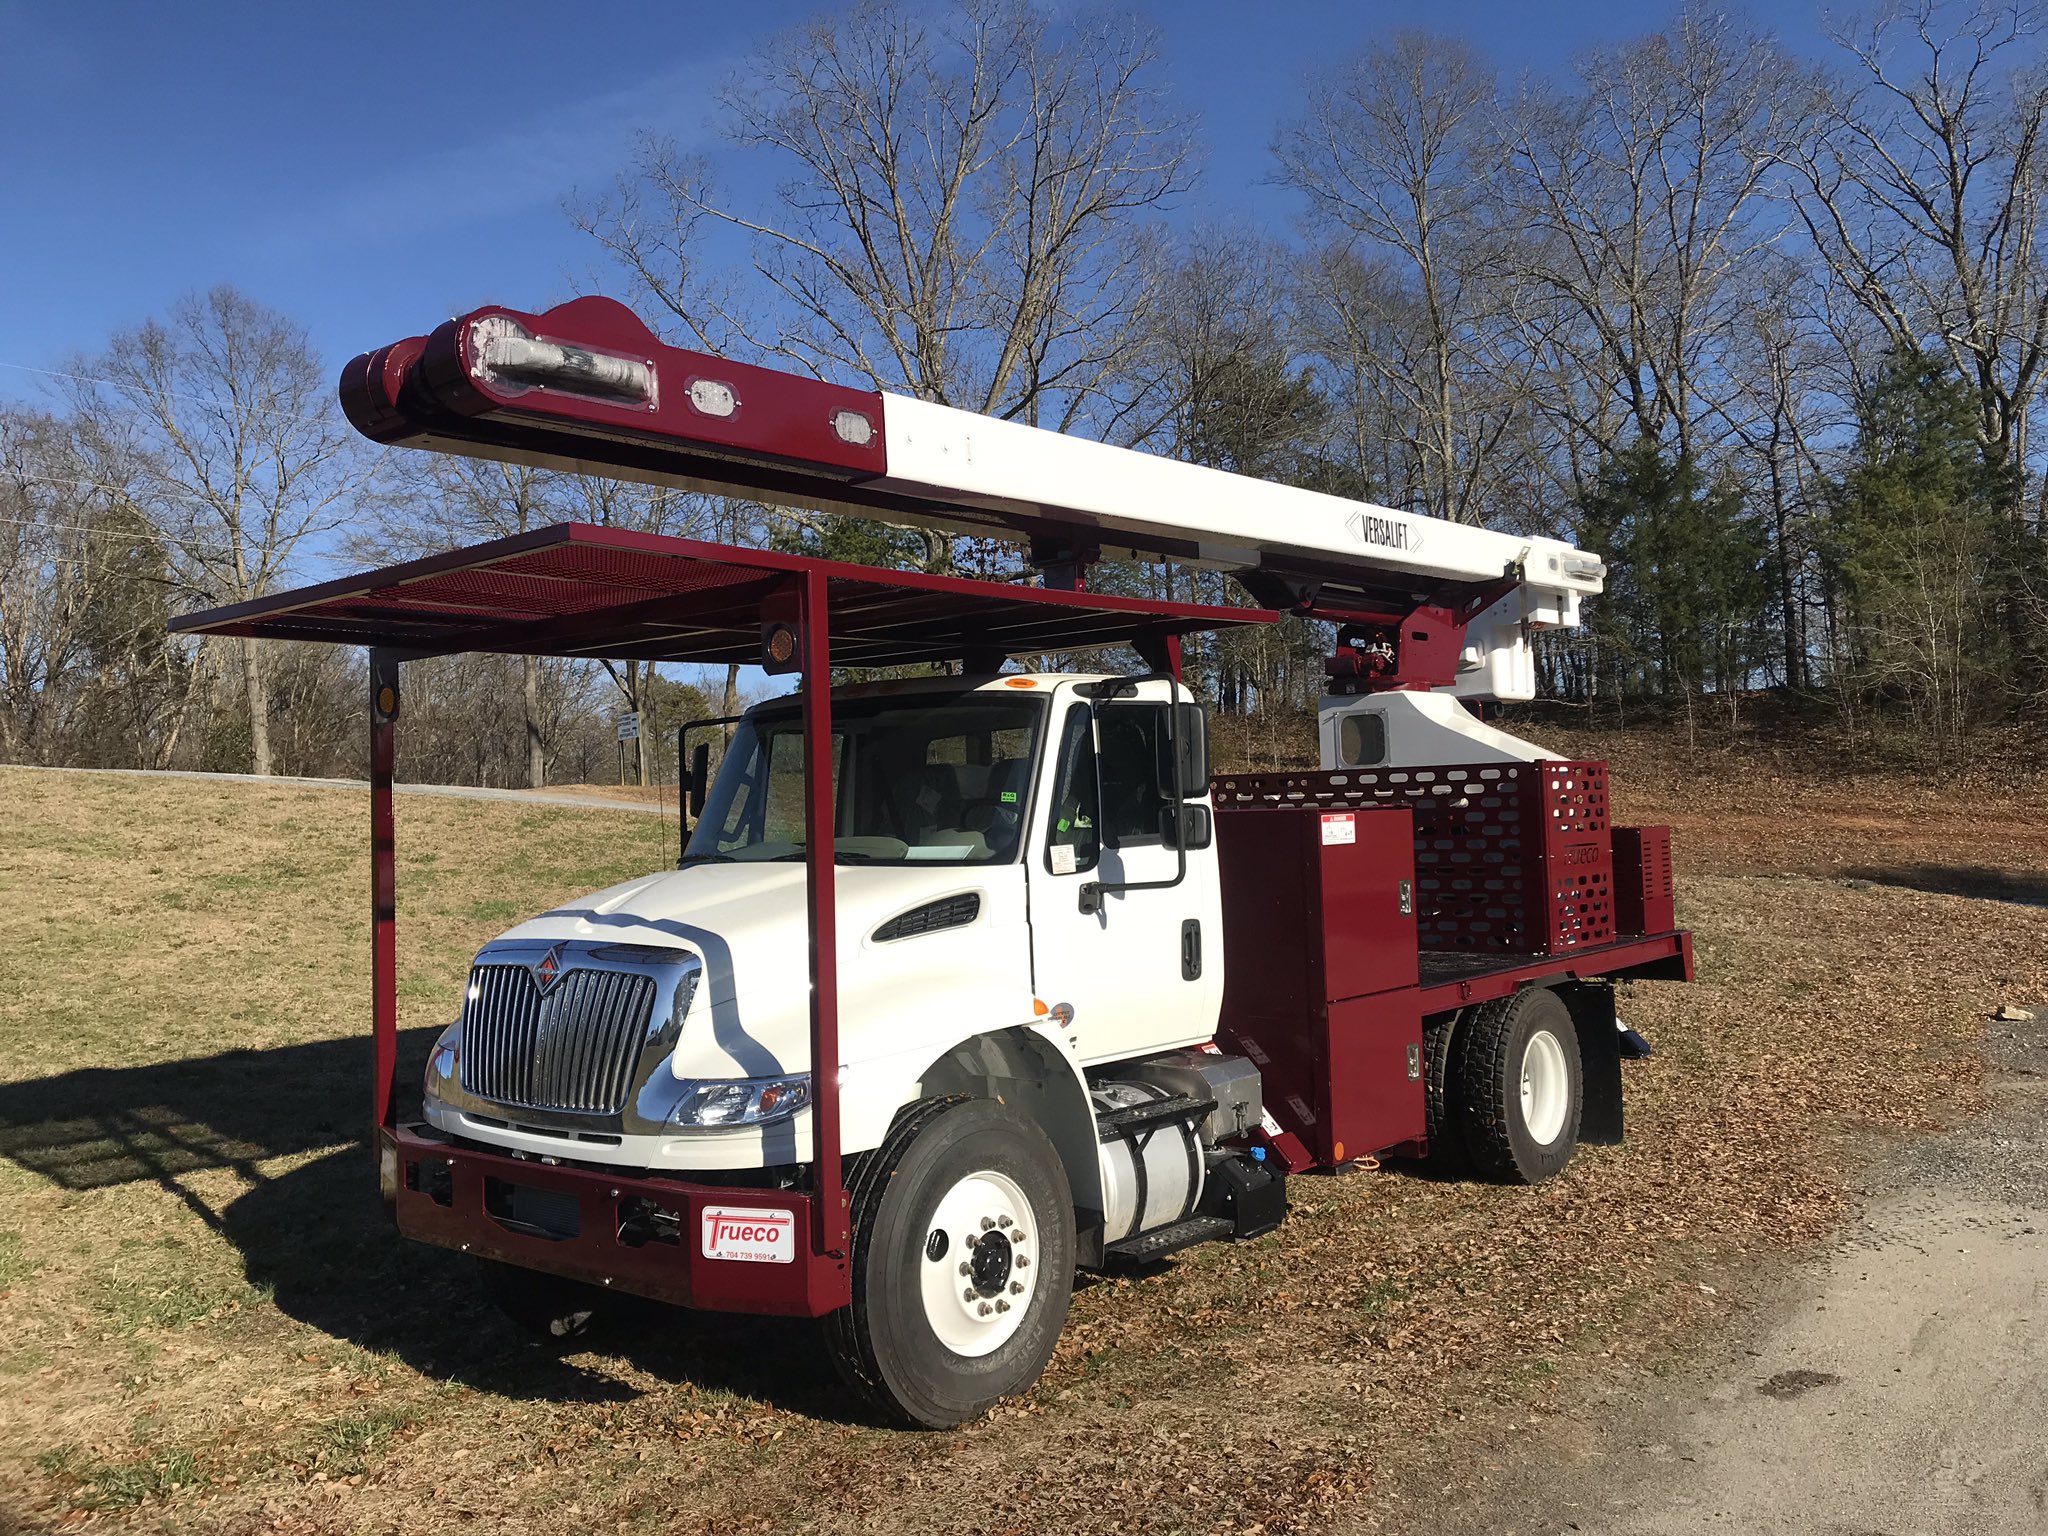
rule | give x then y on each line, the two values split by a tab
1134	761
1071	844
1362	739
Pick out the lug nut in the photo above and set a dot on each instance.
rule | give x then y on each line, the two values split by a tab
1002	1221
987	1222
1016	1287
984	1309
1017	1234
970	1294
1002	1306
971	1239
966	1268
1022	1262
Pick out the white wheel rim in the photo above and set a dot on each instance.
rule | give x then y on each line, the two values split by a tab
1545	1087
977	1263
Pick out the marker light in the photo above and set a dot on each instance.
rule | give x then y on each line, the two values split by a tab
778	648
713	398
854	428
508	358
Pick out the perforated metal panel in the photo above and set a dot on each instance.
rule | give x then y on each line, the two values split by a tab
1509	857
1644	887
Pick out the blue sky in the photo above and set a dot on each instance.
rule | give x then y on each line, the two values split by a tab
372	168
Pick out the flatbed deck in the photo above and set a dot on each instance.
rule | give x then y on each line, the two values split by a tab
1456	978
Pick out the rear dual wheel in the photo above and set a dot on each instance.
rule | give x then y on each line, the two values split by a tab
963	1262
1507	1087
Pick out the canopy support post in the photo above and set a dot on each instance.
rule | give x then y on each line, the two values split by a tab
383	891
830	1236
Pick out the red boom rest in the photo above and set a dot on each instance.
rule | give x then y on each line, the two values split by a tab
591	367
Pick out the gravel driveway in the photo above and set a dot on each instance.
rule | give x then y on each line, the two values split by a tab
1899	1386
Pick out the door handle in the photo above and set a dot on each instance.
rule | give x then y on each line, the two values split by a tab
1191	949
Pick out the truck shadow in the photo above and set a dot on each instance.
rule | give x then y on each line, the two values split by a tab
2026	888
309	1227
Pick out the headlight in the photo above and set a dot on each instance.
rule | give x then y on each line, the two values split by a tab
742	1101
444	1061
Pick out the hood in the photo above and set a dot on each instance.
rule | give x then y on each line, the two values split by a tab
746	922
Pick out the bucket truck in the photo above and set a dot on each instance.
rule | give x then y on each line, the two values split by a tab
962	983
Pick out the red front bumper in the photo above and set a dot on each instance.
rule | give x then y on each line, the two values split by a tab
447	1195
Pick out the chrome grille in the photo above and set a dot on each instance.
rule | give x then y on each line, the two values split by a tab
572	1047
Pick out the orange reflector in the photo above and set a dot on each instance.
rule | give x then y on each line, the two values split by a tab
1039	1008
1019	682
1338	1151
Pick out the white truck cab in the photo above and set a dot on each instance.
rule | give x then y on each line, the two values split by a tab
971	816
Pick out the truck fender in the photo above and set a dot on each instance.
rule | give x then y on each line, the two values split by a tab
1029	1069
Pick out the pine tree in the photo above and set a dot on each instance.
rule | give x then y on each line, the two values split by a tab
1918	547
1688	578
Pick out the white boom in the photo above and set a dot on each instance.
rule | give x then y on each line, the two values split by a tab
1236	522
587	387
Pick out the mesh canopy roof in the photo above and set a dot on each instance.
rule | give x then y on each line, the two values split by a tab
579	590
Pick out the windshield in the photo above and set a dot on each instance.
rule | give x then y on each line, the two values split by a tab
940	779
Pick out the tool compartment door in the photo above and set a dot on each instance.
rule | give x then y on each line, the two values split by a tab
1321	967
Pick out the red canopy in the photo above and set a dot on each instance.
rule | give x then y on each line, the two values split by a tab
580	590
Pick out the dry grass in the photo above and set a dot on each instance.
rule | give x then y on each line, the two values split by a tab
204	1323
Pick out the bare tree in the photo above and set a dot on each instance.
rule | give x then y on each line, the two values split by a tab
1641	204
44	582
647	509
1923	195
1394	151
453	500
956	213
248	456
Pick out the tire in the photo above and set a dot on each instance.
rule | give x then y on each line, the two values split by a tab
1440	1121
548	1307
924	1342
1520	1086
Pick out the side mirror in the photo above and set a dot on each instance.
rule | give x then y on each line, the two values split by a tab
700	779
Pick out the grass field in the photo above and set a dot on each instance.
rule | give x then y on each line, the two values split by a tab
206	1325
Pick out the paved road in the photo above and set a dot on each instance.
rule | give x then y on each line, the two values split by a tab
1901	1388
451	791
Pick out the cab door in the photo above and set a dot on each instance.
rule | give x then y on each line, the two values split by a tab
1139	970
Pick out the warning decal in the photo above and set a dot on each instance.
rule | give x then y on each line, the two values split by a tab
1340	827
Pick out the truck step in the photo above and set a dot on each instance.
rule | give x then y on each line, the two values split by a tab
1161	1241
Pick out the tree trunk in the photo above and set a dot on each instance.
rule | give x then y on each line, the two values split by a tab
536	758
259	708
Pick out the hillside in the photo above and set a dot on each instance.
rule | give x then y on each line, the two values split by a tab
205	1322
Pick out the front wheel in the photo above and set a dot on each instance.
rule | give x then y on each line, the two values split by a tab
963	1262
1520	1086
